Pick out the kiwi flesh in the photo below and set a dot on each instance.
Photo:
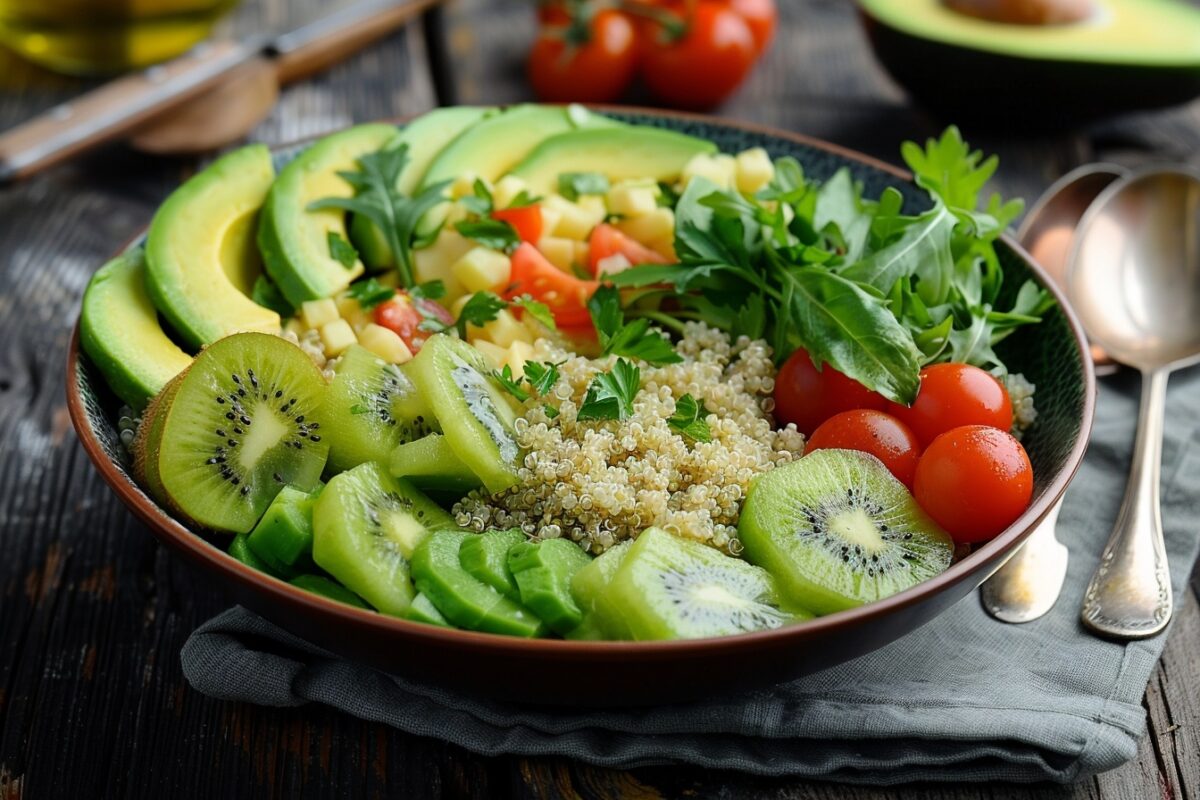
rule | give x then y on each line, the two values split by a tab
423	610
432	464
668	587
590	584
242	422
239	548
486	557
371	407
543	572
284	534
319	584
837	530
366	526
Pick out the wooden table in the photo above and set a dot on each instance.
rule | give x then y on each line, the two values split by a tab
93	612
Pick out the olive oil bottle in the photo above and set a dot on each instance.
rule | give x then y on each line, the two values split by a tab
97	37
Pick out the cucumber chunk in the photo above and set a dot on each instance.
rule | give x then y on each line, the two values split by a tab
422	610
284	534
543	572
486	557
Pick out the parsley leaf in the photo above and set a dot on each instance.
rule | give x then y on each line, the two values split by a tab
689	419
541	375
429	290
632	339
377	198
480	200
482	308
610	394
267	295
370	293
494	233
510	383
573	184
340	250
538	310
523	198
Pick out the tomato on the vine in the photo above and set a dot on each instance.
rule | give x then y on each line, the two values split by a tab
697	60
953	395
586	60
807	397
404	316
974	481
874	432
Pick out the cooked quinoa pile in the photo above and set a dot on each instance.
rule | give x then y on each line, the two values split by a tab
601	482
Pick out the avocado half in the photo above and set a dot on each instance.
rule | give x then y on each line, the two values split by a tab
1130	55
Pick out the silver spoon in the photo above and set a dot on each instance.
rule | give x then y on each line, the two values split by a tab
1134	279
1028	584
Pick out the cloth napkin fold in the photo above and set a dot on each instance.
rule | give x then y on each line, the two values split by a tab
964	698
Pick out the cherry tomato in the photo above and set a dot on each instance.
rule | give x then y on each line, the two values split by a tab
706	63
589	62
807	397
974	481
404	316
552	12
526	220
565	294
953	395
874	432
607	241
761	16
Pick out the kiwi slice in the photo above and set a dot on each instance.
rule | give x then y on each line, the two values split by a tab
284	534
837	530
423	610
149	437
243	422
588	585
319	584
366	525
464	600
371	407
239	548
431	463
543	572
472	409
486	557
672	588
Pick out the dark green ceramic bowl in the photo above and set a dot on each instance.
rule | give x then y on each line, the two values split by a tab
1052	355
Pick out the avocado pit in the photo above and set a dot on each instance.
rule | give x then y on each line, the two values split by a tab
1026	12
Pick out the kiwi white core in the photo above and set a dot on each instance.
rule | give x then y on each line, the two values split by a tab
856	527
404	530
267	432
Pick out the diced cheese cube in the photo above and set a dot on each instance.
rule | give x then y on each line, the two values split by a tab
506	329
385	343
464	185
495	354
657	226
455	212
754	170
457	306
482	269
576	219
632	201
316	313
337	336
506	190
558	251
550	218
436	261
581	253
516	356
720	168
295	326
350	310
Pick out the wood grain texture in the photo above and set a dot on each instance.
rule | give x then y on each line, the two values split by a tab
93	612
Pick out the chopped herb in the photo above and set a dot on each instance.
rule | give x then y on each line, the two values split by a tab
523	198
480	200
430	290
610	394
632	339
550	410
494	233
689	419
370	293
667	196
541	375
538	310
510	383
572	185
341	251
267	295
482	308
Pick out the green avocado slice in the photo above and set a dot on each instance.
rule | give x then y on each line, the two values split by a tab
619	153
119	331
200	257
295	241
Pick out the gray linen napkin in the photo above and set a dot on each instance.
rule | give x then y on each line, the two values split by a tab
965	698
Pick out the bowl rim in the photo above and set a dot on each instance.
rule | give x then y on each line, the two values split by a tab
200	550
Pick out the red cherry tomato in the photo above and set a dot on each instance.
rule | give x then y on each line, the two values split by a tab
403	316
566	295
874	432
953	395
588	63
807	397
761	16
526	220
607	241
703	66
552	12
974	481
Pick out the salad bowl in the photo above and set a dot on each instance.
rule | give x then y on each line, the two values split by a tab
1052	355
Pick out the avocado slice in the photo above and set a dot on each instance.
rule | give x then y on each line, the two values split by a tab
425	137
295	241
1130	54
119	331
495	144
619	153
200	257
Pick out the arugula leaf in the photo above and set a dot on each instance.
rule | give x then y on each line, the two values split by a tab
377	198
538	310
632	339
924	247
610	395
573	184
949	168
482	308
689	419
541	375
267	295
340	250
494	233
370	293
839	203
480	200
510	384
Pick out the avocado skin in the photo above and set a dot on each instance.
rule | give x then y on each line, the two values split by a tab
1017	92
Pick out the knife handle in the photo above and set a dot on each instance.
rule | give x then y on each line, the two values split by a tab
116	108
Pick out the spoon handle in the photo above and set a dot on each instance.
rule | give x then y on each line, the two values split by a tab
1130	594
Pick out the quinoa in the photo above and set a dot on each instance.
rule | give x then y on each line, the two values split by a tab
601	482
1020	392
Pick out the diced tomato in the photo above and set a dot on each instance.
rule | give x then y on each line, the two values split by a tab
566	295
527	220
401	315
607	241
